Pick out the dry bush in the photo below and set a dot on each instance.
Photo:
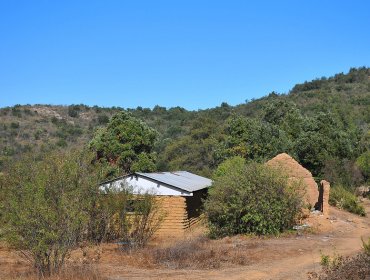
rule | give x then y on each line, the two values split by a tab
349	268
196	253
76	272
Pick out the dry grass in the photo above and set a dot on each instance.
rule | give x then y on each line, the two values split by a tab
76	272
349	268
194	253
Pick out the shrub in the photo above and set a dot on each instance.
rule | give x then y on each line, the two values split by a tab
103	119
344	199
14	125
344	268
46	207
251	198
198	253
366	246
145	220
122	215
62	143
74	111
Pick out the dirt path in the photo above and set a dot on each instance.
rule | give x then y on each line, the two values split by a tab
280	258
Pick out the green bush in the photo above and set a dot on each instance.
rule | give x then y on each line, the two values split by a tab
251	198
344	199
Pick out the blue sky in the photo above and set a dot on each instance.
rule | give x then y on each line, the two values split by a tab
194	54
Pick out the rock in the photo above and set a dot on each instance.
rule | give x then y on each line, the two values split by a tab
362	191
301	227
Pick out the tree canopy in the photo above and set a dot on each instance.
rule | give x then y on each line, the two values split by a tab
126	144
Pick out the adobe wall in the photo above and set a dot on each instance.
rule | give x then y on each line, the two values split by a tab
297	172
175	215
180	213
324	201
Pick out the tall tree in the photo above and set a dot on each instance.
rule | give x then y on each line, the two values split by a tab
125	144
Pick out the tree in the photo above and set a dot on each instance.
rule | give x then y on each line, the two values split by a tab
285	115
254	139
47	206
251	198
196	151
126	144
323	137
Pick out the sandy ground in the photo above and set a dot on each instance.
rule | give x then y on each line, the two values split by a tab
292	257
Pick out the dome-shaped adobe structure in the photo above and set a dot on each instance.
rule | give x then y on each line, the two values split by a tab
296	171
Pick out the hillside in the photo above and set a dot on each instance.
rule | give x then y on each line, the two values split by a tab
188	139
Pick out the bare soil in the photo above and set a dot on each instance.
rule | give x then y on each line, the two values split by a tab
293	256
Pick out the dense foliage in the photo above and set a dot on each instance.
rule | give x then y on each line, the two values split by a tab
125	143
251	198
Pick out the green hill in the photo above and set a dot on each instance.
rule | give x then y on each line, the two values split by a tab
199	140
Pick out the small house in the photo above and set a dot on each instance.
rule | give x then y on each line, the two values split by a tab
180	193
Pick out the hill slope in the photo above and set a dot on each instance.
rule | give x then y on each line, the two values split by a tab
38	128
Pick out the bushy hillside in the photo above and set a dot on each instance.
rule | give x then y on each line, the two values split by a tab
337	108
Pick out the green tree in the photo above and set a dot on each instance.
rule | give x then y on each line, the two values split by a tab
126	143
285	115
254	139
323	137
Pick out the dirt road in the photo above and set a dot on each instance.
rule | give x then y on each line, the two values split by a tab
277	258
290	257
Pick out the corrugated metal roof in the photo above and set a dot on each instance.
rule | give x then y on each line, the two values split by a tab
180	179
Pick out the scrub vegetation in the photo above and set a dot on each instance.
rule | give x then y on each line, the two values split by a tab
52	159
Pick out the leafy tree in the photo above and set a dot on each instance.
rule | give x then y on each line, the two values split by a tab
255	140
285	115
251	198
126	143
323	137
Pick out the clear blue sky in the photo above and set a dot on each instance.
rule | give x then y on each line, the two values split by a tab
195	54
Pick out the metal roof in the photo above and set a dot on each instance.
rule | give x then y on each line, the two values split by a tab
180	179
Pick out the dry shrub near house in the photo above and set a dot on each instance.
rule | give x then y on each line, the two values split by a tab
197	253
